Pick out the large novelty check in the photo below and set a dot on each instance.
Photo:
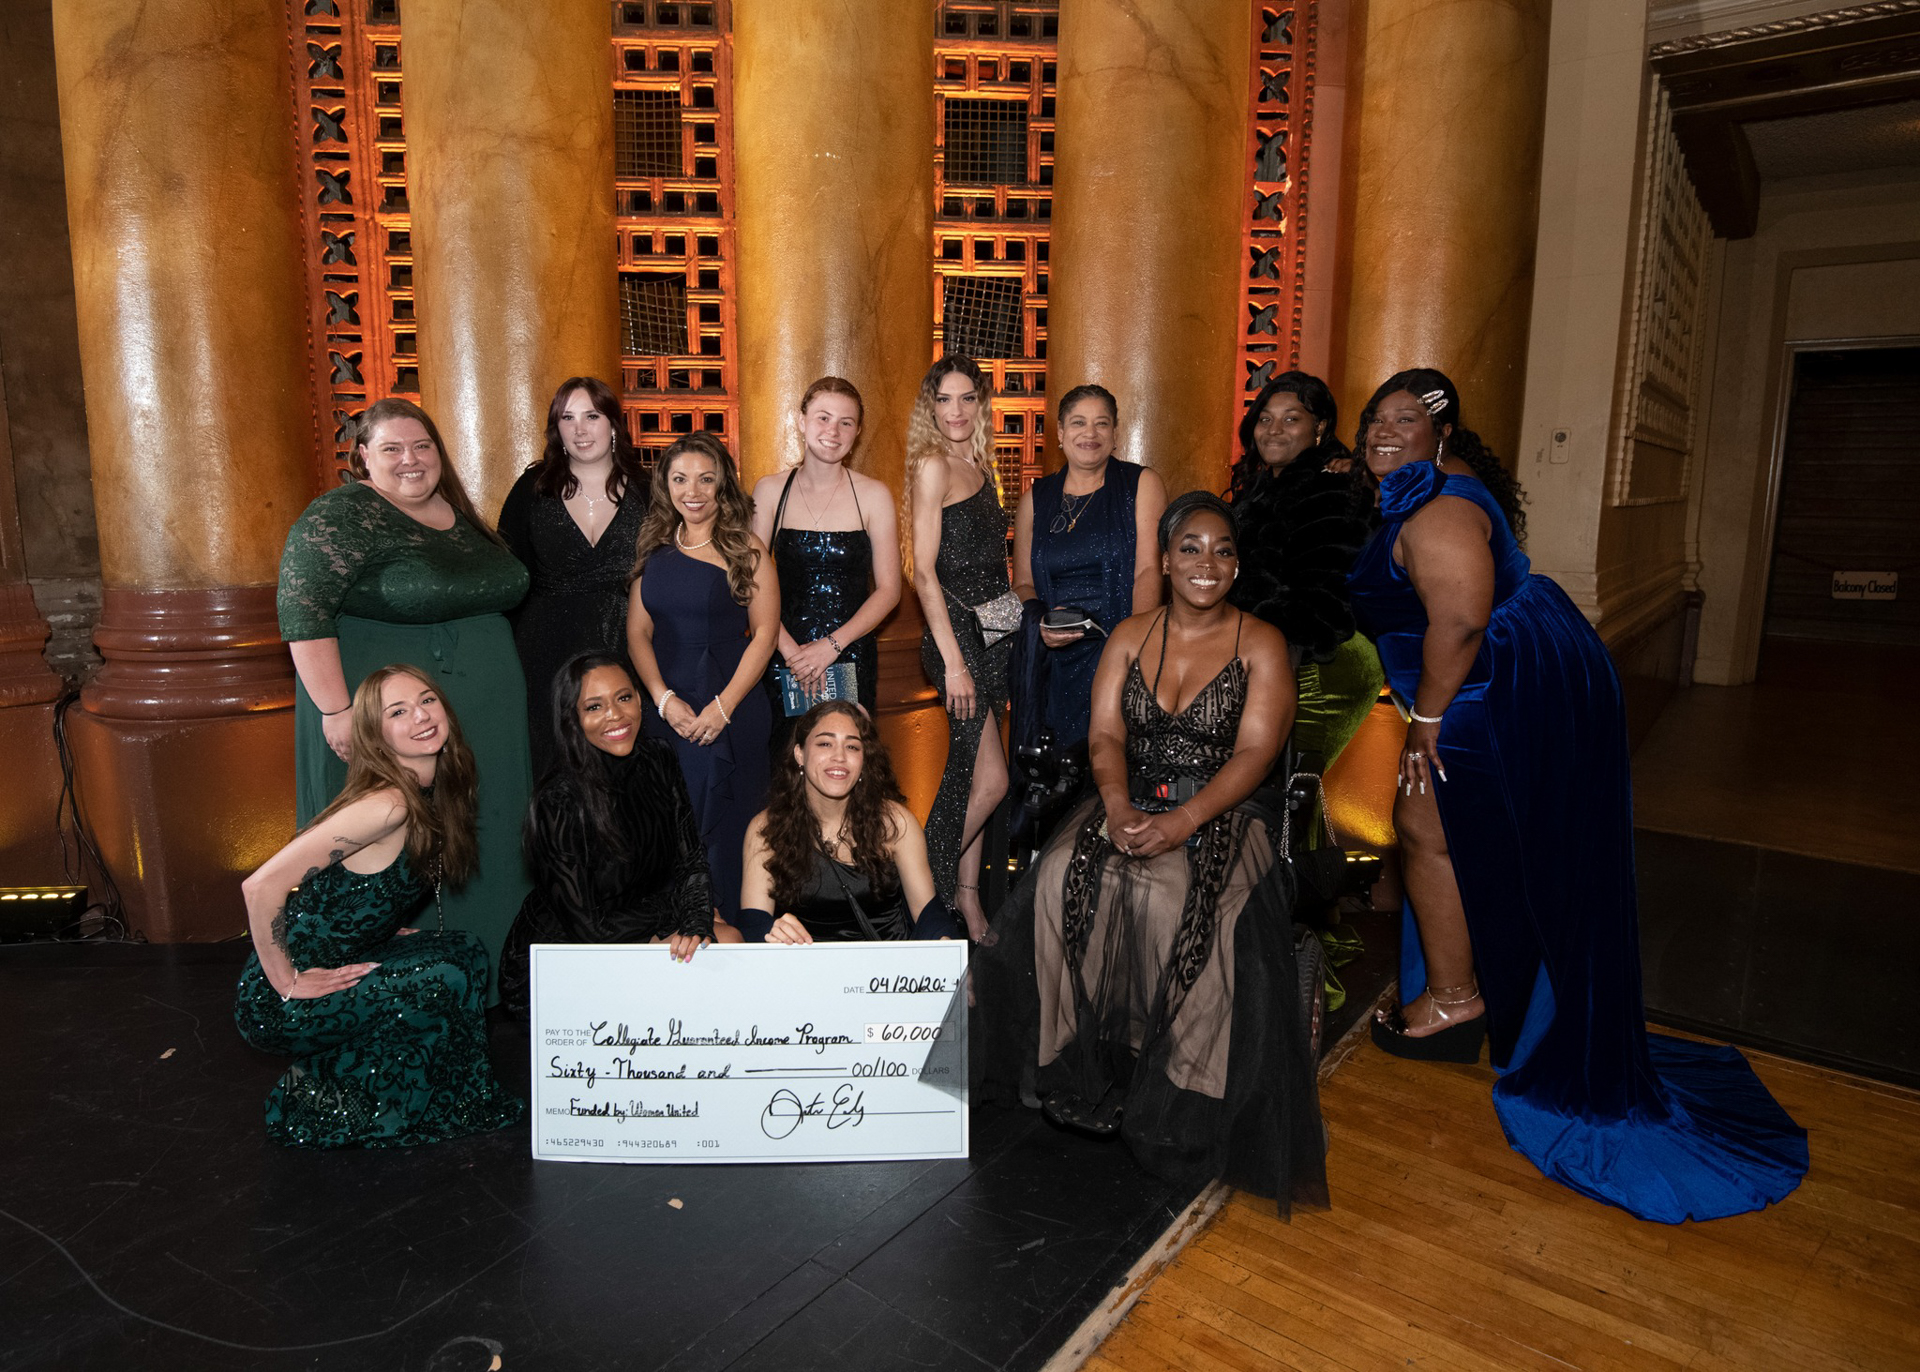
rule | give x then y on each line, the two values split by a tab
749	1053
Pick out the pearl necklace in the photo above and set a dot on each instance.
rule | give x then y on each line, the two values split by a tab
685	546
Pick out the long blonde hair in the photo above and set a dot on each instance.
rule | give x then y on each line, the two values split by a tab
440	825
925	442
732	520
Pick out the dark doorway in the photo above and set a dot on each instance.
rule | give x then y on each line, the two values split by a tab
1846	543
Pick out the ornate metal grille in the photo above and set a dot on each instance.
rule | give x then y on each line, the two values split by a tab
984	316
646	133
673	211
993	188
986	142
1275	227
653	314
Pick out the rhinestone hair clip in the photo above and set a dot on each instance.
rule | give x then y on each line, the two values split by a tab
1435	401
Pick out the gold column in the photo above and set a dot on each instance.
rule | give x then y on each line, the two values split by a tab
833	184
510	179
1440	191
1149	178
183	206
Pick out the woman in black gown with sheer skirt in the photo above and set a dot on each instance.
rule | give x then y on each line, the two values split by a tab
1143	981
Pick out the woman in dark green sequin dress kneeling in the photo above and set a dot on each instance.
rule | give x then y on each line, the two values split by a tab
385	1022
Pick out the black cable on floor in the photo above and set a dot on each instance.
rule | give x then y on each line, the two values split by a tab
112	908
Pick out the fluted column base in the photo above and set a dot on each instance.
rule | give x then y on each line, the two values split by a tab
183	753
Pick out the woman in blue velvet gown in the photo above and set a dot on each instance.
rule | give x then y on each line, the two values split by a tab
702	619
1515	820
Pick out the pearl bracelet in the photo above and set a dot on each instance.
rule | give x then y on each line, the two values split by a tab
721	706
665	696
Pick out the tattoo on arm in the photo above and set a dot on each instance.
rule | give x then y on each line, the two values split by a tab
278	927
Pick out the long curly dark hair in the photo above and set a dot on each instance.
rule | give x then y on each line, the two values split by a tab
577	763
792	833
554	473
1317	400
1462	443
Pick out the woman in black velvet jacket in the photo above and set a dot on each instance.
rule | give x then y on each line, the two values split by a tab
1303	516
610	837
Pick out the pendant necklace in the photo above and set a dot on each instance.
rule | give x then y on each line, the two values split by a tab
1070	515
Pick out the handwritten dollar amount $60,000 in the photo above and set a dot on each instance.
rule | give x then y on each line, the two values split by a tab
749	1053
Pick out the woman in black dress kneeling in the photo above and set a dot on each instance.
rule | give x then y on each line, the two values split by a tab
1144	980
610	838
836	855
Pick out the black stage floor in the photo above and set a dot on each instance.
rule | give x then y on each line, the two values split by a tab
1802	956
130	1115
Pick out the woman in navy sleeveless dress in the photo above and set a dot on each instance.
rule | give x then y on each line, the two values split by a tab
1519	743
1083	537
701	622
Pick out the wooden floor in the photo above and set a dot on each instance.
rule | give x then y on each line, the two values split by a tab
1444	1249
1813	757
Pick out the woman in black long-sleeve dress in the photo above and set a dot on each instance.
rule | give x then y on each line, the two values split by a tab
610	837
574	518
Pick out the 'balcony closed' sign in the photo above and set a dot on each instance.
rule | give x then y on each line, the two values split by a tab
1866	585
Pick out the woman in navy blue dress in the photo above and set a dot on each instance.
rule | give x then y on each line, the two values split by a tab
702	619
1084	544
1515	820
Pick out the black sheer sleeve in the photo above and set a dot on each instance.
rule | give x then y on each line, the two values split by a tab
516	518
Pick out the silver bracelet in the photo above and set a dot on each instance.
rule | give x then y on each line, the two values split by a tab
1419	718
837	649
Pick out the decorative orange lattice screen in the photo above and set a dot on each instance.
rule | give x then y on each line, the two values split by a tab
671	77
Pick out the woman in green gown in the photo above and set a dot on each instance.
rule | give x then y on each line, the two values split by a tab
397	567
387	1022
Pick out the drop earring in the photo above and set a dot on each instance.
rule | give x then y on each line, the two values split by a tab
1440	452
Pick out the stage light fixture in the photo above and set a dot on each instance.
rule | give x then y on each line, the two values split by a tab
39	911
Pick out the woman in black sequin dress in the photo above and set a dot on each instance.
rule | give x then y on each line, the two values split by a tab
385	1023
573	517
957	548
836	855
832	534
611	839
1144	982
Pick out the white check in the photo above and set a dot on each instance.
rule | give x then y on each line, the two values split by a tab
749	1053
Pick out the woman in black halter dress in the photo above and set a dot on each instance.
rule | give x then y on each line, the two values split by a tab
832	534
957	547
1144	981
